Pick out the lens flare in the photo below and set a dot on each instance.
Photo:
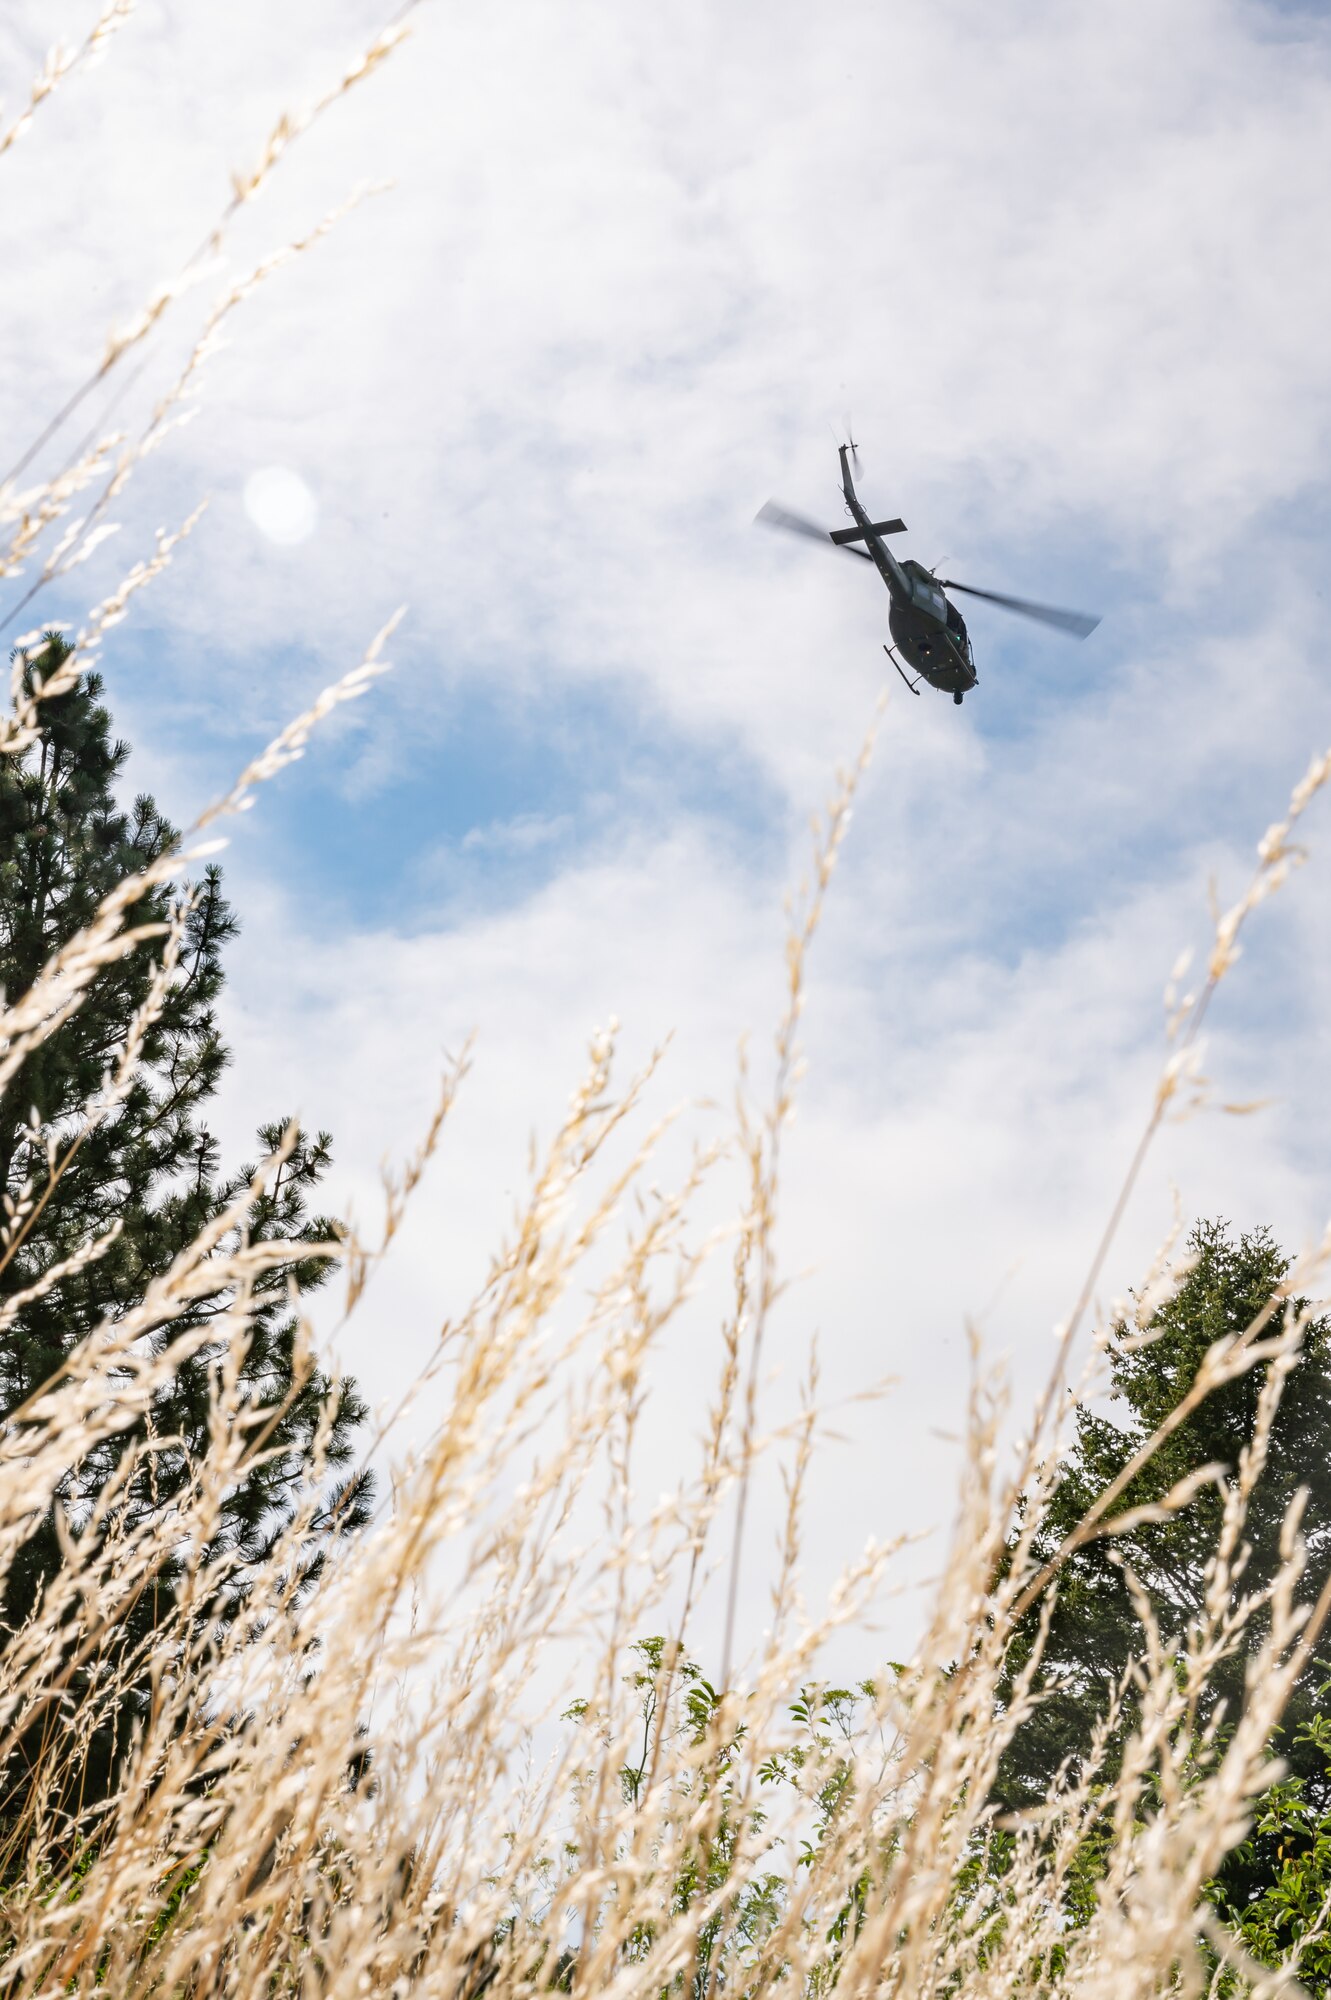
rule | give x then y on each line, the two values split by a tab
281	505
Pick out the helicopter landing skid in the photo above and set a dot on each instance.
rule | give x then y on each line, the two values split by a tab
914	686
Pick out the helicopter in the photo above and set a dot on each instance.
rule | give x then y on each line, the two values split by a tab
929	631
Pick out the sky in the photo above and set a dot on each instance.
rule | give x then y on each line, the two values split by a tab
1063	268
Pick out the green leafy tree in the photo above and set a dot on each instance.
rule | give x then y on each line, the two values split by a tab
1276	1892
151	1168
708	1865
1095	1629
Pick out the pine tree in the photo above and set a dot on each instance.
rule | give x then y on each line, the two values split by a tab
1095	1629
151	1166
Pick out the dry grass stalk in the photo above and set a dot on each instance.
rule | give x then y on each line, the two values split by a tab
290	127
241	1855
61	62
672	1838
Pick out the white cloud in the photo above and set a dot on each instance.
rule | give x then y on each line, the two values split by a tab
971	1157
1068	293
519	835
1066	268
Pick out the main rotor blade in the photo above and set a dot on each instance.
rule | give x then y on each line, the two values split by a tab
774	516
1079	624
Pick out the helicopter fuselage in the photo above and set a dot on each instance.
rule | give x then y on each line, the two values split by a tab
937	647
928	630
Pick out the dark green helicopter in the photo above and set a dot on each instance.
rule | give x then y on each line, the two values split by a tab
929	631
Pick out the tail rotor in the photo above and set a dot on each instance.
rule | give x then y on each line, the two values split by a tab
846	436
854	450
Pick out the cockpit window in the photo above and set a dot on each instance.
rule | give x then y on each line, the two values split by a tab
956	625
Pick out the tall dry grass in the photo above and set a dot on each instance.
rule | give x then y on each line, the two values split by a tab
337	1794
